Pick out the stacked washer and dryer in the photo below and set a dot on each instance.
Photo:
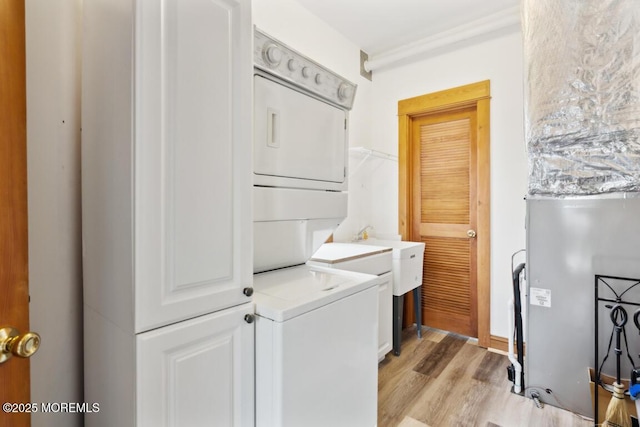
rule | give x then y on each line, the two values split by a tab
316	328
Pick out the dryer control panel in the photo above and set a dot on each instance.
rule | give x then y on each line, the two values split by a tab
276	58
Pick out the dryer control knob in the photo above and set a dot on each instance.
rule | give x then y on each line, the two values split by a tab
319	79
292	65
344	92
306	72
272	54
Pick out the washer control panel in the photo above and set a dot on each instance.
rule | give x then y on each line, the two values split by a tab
280	60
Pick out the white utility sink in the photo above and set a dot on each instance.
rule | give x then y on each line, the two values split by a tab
407	263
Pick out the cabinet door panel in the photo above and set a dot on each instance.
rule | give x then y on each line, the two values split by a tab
192	158
198	372
385	316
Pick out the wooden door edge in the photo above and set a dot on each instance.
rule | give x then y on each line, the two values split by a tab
484	222
404	181
14	275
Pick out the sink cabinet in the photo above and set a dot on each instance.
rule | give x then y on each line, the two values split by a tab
407	268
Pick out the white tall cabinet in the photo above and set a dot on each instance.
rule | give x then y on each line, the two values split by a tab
166	211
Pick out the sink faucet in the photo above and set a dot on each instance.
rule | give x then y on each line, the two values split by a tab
362	234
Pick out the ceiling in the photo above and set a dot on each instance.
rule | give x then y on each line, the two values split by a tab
379	26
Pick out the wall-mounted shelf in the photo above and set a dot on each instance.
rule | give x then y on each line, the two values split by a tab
366	153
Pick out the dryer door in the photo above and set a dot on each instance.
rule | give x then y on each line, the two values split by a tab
299	141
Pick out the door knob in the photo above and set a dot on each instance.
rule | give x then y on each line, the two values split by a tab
471	233
13	343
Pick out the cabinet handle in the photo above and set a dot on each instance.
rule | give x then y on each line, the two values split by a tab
248	291
249	318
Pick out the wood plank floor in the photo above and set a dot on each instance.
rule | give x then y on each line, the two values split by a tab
447	380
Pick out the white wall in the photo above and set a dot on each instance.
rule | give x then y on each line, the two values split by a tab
373	196
500	61
53	162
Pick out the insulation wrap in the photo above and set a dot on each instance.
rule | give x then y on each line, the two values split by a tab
582	96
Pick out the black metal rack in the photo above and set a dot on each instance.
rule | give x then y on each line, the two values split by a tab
619	294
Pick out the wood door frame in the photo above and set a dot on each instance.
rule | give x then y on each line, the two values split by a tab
476	95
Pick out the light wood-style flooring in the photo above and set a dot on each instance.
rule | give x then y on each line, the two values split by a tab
447	380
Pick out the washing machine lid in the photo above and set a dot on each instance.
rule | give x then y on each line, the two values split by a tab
289	292
335	253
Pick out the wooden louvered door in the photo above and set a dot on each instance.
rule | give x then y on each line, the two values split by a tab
444	155
443	193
